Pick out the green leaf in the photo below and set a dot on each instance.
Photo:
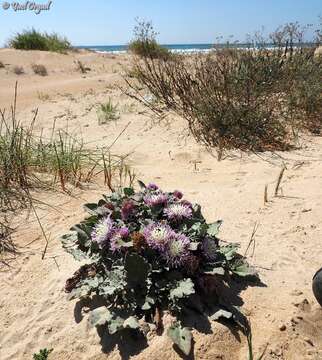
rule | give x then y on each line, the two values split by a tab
131	322
99	316
198	229
115	324
229	251
91	208
213	229
148	302
183	289
221	313
141	184
70	244
181	336
193	246
215	271
244	269
128	191
114	282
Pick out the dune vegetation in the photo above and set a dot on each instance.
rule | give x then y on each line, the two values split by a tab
253	99
35	40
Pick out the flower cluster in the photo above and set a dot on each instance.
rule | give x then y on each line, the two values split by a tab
157	218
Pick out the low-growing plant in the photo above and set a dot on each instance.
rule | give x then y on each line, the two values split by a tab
1	65
35	40
144	43
18	70
107	112
150	252
43	354
43	96
39	69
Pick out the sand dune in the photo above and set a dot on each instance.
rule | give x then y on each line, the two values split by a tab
34	311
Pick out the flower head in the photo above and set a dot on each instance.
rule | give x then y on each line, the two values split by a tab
118	237
178	211
177	194
152	186
103	231
209	248
155	199
138	240
177	250
127	209
158	235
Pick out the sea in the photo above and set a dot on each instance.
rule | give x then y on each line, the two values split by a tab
177	48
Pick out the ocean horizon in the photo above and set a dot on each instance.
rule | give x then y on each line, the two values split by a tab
179	48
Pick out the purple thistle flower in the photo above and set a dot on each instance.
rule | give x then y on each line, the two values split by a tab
117	239
209	248
155	199
157	235
177	250
102	231
178	194
124	232
186	202
127	210
152	186
178	211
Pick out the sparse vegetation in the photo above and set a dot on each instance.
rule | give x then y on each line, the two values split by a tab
18	70
1	65
63	158
237	99
144	43
35	40
107	112
43	354
39	69
43	96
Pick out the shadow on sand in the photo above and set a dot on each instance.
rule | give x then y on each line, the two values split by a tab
226	295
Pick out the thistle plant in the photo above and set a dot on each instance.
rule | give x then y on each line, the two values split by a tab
149	252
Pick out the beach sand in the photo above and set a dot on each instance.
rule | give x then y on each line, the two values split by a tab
34	310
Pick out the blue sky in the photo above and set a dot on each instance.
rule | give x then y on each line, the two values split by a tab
110	22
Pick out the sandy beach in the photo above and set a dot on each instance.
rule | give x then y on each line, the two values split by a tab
34	310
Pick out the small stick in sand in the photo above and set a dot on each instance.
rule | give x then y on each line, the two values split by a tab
265	194
280	176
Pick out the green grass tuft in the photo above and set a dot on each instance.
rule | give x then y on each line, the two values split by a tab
107	112
35	40
43	354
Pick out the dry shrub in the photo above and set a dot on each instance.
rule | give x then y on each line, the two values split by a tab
39	69
144	43
1	65
18	70
237	99
226	97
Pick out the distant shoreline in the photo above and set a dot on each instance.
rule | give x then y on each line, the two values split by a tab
182	48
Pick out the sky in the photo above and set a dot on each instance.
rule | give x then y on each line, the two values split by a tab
111	22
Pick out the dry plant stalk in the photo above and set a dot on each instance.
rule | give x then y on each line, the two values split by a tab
279	179
265	194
